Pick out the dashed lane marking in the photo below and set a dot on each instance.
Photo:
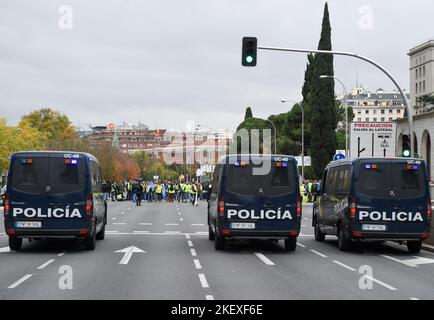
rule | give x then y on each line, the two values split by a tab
344	265
190	244
209	297
42	266
171	224
197	264
318	253
197	224
193	252
141	231
301	245
61	254
17	283
145	224
382	283
203	281
264	259
119	223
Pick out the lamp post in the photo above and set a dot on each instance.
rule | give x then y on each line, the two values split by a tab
275	135
346	110
302	135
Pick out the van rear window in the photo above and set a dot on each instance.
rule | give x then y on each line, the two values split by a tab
33	175
279	181
30	175
378	179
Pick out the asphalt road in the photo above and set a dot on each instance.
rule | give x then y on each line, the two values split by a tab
180	262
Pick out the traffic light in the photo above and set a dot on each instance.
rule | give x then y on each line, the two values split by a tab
249	51
406	148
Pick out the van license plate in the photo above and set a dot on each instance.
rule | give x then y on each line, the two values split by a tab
28	224
373	227
239	225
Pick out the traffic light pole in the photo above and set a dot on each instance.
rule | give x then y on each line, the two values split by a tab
349	54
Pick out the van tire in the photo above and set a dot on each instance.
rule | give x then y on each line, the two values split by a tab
291	244
90	241
414	246
211	234
319	236
101	234
220	242
344	242
15	243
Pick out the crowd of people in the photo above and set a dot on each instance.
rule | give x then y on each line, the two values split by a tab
150	191
310	190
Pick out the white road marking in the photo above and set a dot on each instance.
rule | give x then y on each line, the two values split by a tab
197	224
301	245
190	244
141	231
128	253
123	212
187	236
318	253
264	259
172	232
305	235
209	297
382	283
119	223
167	233
111	231
42	266
201	232
412	263
413	298
61	254
181	219
16	284
193	252
171	224
145	224
203	281
114	218
344	265
197	264
5	250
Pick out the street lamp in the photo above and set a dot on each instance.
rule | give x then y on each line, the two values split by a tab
346	110
275	135
302	135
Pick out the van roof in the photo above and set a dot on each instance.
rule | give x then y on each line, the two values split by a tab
224	159
357	160
34	152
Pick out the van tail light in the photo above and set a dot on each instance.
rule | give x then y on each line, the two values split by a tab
352	207
221	205
299	207
7	205
89	204
429	210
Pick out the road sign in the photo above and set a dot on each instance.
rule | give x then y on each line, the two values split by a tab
338	156
372	139
307	161
128	253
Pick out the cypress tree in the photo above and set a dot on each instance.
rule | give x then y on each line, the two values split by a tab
248	113
322	101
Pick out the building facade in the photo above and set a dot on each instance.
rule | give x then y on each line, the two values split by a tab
380	106
421	75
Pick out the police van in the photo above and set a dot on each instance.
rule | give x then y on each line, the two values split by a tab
255	197
54	195
374	199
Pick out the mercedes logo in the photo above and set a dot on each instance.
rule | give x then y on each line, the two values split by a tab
261	191
47	189
392	194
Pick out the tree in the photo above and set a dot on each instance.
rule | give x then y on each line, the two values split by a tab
322	100
248	113
57	130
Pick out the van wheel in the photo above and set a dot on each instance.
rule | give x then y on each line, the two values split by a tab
220	242
90	241
15	243
101	235
291	244
211	234
319	236
344	242
414	246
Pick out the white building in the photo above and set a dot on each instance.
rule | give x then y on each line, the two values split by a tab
380	106
421	74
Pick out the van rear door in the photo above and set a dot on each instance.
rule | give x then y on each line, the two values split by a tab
67	196
390	196
261	202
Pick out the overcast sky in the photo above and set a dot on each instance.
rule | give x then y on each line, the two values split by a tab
164	62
